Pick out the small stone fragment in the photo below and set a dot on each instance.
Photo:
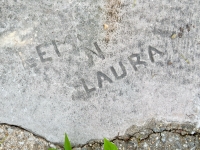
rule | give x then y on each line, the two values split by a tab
105	26
173	36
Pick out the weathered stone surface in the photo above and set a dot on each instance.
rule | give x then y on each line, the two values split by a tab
94	68
12	138
169	138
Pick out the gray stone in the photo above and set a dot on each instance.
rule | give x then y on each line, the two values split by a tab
169	138
166	139
92	69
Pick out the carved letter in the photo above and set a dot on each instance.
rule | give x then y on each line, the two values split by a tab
115	73
41	54
56	48
151	54
88	91
90	52
101	75
138	62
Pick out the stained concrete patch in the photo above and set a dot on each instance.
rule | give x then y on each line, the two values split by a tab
94	68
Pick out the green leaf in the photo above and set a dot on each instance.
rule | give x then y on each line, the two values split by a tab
52	149
109	145
67	144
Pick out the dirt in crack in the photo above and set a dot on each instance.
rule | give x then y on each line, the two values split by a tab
112	12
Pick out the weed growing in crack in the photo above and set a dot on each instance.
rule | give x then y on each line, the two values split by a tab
107	145
67	145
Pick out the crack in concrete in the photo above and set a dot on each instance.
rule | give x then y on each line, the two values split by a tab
36	135
140	134
127	137
140	140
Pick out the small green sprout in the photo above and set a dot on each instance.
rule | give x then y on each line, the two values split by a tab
109	145
67	145
52	149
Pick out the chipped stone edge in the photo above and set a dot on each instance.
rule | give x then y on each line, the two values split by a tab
60	145
152	126
141	133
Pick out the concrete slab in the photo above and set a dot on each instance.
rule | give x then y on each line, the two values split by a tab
94	68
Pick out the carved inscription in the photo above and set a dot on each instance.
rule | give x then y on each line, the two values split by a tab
151	50
41	54
101	77
138	62
56	48
134	60
88	91
117	77
90	54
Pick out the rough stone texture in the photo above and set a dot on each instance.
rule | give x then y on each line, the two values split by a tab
14	138
92	68
153	135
